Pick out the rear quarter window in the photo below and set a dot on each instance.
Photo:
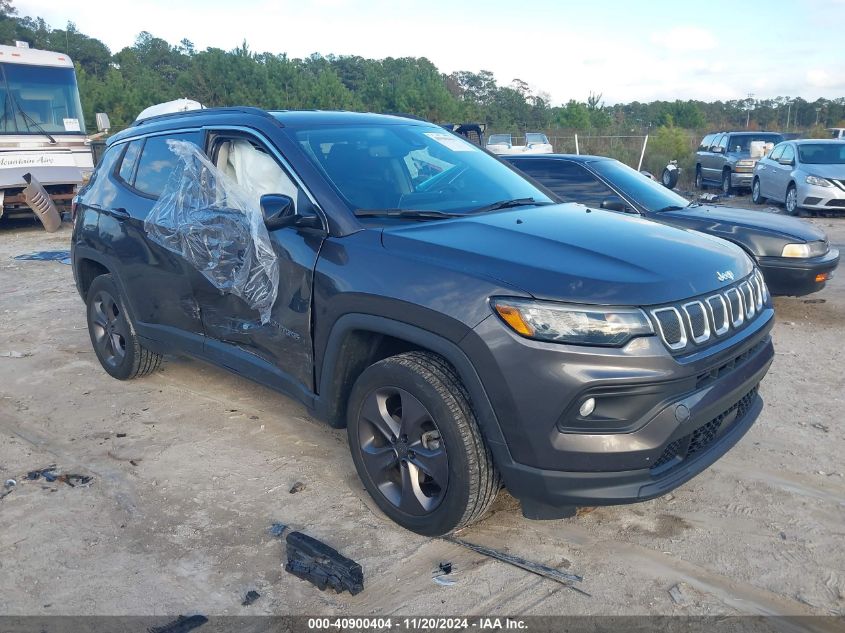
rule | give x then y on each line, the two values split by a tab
157	162
129	160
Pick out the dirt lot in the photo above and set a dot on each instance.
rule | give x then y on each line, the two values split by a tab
191	465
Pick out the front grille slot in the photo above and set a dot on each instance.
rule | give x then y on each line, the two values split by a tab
697	320
700	321
697	442
671	327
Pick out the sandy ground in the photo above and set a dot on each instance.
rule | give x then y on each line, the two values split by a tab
191	465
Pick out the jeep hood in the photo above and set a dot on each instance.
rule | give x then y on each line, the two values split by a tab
730	220
571	253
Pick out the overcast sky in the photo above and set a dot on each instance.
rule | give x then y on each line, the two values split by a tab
634	50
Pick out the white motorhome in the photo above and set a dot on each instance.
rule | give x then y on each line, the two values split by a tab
42	132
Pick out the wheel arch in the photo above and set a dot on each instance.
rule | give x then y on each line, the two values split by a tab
358	340
87	266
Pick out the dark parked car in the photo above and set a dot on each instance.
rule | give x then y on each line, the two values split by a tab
402	282
724	159
794	255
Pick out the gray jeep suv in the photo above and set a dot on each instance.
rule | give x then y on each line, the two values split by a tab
399	281
724	159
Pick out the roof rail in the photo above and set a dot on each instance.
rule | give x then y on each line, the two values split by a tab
205	111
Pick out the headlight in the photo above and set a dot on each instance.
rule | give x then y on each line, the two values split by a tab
579	325
819	182
796	250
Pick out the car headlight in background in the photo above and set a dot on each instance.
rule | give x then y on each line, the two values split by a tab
796	250
745	165
819	182
579	325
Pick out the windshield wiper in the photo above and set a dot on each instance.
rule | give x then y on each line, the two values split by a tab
507	204
424	214
29	120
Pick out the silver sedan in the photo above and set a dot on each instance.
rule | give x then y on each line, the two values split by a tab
808	174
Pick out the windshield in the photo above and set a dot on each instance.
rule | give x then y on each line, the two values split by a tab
640	189
39	99
822	153
534	137
411	167
499	139
741	143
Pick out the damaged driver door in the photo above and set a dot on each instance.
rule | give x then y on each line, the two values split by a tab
276	350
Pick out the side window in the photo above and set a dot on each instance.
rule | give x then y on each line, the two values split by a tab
129	160
723	142
247	162
157	162
570	182
777	152
706	142
788	153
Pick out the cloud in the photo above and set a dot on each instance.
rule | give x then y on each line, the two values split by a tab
685	38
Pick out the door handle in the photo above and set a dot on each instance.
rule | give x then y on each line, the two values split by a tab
120	212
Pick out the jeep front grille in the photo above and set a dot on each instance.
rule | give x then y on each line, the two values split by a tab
705	320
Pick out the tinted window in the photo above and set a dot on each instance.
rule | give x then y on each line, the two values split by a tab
568	180
638	188
130	157
742	142
157	162
822	153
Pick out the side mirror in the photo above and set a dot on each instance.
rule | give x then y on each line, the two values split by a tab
718	149
789	162
614	204
103	123
280	211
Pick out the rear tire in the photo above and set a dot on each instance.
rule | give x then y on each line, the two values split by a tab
416	444
113	334
699	179
756	196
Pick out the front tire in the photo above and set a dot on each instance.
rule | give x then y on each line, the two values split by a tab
416	444
727	188
113	335
791	200
699	178
756	196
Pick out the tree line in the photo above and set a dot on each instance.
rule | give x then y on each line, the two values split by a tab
152	71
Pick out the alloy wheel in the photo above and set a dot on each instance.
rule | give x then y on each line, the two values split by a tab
791	201
403	451
109	328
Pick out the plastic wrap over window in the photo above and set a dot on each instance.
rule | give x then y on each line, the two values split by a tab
217	227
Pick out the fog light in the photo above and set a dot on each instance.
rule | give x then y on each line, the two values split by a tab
587	407
821	277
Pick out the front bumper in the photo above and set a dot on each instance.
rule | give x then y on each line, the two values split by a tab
741	180
818	198
684	414
796	277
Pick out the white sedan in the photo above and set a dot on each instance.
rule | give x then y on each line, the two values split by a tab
808	174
